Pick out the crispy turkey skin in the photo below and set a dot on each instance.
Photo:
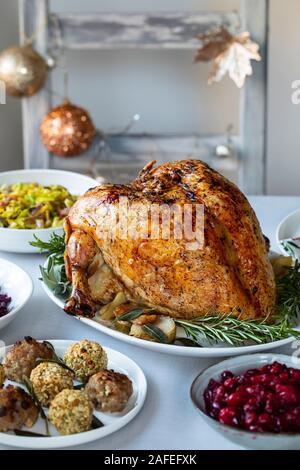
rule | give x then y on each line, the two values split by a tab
230	272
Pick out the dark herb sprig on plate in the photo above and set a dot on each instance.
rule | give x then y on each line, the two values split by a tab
55	246
55	359
54	274
27	383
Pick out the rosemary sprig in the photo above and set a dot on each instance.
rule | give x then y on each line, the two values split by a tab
27	383
233	331
55	359
56	244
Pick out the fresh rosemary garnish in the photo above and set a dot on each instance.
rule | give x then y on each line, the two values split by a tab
27	383
231	330
56	244
155	332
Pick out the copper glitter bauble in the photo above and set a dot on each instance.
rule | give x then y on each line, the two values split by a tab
67	130
22	70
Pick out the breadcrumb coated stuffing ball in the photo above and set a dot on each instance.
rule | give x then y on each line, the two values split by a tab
17	409
48	379
109	390
71	411
21	359
85	358
2	375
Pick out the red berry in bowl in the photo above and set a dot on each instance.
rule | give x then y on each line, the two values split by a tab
228	416
257	400
288	394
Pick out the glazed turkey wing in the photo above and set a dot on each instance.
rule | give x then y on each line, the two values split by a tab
231	272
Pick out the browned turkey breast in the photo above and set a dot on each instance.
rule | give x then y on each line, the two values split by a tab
230	272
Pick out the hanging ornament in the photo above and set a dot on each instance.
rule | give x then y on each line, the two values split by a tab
67	130
230	54
22	70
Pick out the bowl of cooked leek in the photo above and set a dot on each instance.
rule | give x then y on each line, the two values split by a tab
35	202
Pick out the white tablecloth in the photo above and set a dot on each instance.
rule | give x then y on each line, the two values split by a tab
168	419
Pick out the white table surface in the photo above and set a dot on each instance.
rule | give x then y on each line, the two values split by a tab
168	419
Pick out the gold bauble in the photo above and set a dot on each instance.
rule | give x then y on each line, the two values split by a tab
67	130
22	70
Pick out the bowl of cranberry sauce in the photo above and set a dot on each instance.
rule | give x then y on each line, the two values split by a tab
252	400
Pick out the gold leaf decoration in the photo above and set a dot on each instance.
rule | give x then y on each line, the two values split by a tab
230	54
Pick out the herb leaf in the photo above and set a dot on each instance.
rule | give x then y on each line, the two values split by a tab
131	315
155	332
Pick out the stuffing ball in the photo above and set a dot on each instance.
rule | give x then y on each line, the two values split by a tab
71	411
85	358
2	375
109	390
48	379
21	359
17	409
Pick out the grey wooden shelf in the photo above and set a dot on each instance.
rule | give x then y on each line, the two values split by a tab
155	30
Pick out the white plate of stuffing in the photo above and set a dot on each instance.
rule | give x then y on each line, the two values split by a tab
109	390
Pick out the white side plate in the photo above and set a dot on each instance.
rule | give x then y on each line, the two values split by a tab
112	421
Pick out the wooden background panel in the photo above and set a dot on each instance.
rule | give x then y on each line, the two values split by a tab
150	30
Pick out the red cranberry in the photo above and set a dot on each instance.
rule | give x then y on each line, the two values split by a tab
250	406
228	416
288	394
219	393
255	428
284	378
212	384
272	403
250	418
261	379
277	368
231	383
226	375
266	369
294	375
292	419
251	372
267	422
237	399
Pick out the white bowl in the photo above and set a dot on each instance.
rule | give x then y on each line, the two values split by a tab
17	284
251	440
289	227
17	240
